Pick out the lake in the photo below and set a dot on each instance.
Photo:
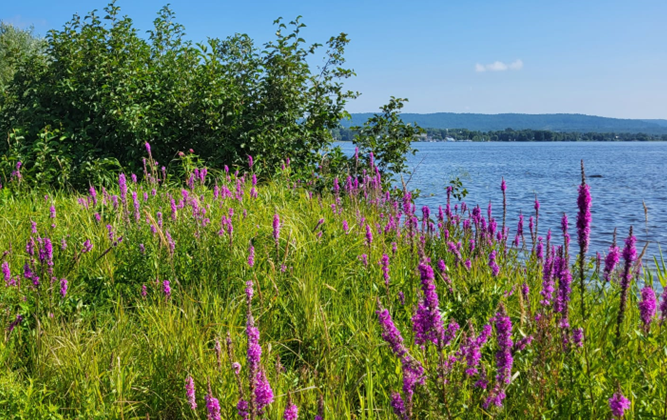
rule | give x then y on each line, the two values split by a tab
630	174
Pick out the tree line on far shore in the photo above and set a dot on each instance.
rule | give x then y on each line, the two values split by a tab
459	134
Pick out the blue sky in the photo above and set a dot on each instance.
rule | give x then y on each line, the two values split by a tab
599	57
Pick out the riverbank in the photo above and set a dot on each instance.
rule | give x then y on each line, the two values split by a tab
115	299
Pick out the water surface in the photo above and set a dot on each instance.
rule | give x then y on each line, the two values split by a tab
622	176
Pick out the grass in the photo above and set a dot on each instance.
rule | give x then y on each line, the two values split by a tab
104	351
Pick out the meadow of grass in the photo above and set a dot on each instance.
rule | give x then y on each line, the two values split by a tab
115	302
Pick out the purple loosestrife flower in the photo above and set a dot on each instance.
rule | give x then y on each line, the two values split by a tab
212	407
647	307
442	267
263	392
276	228
519	232
584	216
251	255
495	270
236	366
398	406
413	372
137	205
170	241
504	359
470	350
390	333
525	293
30	247
427	323
364	259
578	337
14	323
6	273
663	306
122	183
384	263
548	278
468	264
503	188
401	298
369	235
530	228
618	404
63	287
63	244
583	231
87	246
566	236
250	162
539	250
537	213
291	412
562	269
522	344
629	257
613	257
93	195
166	288
52	212
144	292
190	390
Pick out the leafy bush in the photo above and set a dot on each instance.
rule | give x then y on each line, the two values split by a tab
101	91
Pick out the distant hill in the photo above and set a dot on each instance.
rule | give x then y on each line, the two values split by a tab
659	122
553	122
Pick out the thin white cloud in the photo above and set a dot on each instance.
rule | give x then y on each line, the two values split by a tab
499	66
516	65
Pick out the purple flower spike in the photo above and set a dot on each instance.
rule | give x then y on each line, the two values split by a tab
618	404
212	407
427	322
504	359
190	388
495	269
251	255
399	406
122	183
276	228
613	257
663	306
7	274
384	263
584	217
63	287
291	412
87	246
166	288
647	307
629	256
369	235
